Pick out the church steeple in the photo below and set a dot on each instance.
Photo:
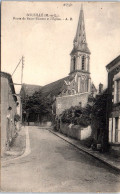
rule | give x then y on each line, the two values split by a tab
80	38
80	53
80	42
80	57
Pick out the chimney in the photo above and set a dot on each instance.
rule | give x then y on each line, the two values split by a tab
100	88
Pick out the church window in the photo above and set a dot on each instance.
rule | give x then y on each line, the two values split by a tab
83	63
74	63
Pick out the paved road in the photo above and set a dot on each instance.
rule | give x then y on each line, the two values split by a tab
56	166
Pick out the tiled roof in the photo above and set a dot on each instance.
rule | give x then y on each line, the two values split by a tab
53	88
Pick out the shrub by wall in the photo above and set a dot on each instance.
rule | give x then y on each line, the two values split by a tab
77	115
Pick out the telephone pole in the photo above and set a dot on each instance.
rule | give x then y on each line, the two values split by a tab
21	85
21	61
22	70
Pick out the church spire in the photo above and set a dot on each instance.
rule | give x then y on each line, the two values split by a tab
80	42
80	54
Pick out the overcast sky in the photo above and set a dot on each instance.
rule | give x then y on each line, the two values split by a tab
46	44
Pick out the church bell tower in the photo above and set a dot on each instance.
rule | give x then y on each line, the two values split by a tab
80	57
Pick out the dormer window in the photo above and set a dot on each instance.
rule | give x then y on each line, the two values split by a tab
83	63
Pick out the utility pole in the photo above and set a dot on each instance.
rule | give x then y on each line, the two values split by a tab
22	70
19	96
21	85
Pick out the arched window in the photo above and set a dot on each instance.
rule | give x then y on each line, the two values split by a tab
83	63
74	63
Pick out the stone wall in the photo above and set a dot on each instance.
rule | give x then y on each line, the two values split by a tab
75	131
65	102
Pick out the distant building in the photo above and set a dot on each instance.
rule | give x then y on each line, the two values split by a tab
113	69
8	110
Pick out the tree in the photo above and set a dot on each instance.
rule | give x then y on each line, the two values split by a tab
37	105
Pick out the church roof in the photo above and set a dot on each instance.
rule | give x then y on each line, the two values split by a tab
54	88
30	89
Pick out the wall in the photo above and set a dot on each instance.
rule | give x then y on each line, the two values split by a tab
75	131
65	102
6	101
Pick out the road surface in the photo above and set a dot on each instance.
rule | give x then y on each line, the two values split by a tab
54	165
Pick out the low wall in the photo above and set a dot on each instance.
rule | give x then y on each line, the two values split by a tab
75	131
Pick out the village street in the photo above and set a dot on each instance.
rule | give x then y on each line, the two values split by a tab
53	165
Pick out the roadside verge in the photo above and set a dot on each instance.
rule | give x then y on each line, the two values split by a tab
20	147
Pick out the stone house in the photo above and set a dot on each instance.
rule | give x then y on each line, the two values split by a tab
8	110
113	108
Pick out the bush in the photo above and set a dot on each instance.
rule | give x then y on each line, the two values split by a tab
77	115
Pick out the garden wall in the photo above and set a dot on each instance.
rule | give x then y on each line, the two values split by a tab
75	131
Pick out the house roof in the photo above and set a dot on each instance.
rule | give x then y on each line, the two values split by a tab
30	89
113	62
10	81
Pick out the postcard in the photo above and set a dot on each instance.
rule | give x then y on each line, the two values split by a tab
60	96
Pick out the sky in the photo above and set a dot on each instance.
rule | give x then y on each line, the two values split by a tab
46	44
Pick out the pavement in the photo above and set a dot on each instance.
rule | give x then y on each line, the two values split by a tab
51	164
18	146
107	158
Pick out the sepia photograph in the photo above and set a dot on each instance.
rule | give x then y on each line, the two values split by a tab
60	96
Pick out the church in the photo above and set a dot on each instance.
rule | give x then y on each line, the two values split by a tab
80	60
76	88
